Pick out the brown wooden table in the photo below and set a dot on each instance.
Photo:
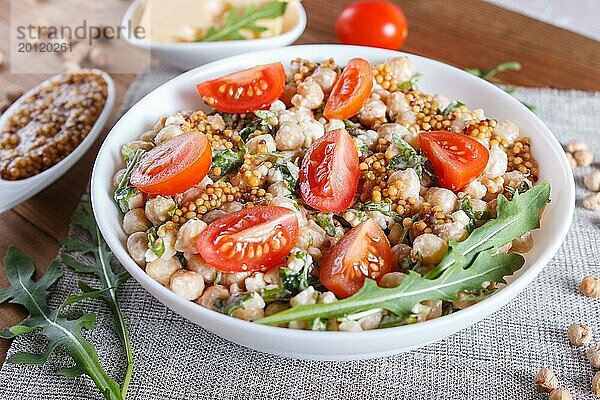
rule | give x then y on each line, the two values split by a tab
465	33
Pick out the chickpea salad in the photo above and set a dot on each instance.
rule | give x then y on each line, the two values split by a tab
330	197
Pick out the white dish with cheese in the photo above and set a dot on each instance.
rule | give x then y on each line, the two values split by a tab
170	35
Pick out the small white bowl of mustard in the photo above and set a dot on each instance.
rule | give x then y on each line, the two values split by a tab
48	129
181	51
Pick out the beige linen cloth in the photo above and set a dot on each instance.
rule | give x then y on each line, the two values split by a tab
494	359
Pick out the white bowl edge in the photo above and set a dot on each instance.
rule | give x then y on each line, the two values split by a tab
339	345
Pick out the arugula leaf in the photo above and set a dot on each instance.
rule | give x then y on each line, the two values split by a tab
263	123
450	107
469	266
410	84
407	158
487	267
295	282
124	190
290	172
490	74
246	20
58	330
514	219
109	281
325	221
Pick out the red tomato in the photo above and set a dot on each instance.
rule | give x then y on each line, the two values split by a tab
350	91
173	166
248	90
457	159
364	252
375	23
329	172
253	239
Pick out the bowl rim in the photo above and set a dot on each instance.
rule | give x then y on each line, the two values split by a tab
36	183
288	36
475	312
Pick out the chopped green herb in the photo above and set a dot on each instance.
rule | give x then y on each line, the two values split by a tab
263	123
245	20
325	221
407	157
296	282
233	303
155	243
451	106
474	216
238	300
318	324
352	128
290	172
410	84
275	294
228	160
383	206
124	190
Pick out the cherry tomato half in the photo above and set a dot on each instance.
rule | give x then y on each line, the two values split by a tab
457	159
329	172
350	91
248	90
174	166
375	23
363	252
253	239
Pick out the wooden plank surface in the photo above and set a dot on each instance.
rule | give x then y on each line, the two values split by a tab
465	33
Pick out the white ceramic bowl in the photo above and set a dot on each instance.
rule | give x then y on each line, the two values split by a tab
191	55
179	94
15	192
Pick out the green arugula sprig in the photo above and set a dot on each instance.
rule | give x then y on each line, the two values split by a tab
514	219
51	323
414	289
109	281
468	266
245	20
490	76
